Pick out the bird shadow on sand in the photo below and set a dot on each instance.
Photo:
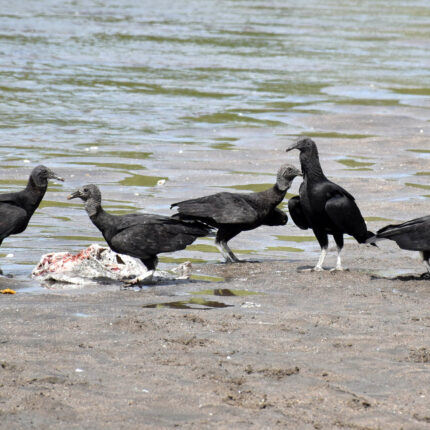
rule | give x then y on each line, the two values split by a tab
227	263
162	282
403	278
310	269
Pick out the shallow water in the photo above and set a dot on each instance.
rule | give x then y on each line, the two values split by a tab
205	95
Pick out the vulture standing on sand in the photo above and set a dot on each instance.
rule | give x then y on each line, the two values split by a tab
413	235
324	206
232	213
16	209
141	236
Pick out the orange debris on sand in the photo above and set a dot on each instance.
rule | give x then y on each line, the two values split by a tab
7	291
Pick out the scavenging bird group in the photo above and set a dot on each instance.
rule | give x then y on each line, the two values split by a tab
322	206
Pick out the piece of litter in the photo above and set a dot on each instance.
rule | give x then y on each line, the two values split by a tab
78	370
144	391
7	291
250	305
26	161
9	256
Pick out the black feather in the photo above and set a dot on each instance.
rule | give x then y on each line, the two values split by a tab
16	209
322	205
142	236
232	213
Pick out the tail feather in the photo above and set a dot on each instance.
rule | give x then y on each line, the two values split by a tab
372	238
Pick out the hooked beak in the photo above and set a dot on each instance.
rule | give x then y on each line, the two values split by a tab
293	146
74	195
53	175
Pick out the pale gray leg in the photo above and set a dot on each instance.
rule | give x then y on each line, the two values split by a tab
318	267
338	261
145	278
425	261
226	252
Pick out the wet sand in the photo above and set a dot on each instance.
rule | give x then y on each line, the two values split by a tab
311	351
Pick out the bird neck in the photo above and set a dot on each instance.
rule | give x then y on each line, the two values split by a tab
276	194
33	194
311	167
94	209
282	186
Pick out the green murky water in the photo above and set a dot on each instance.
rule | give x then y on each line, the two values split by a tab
157	102
356	165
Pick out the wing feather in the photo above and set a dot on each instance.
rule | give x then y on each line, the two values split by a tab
143	240
13	219
220	208
296	211
346	217
413	234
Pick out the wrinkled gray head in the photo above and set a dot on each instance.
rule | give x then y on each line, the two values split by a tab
304	144
286	175
91	195
41	174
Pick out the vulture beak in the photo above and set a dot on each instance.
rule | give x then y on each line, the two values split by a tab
53	175
74	195
293	146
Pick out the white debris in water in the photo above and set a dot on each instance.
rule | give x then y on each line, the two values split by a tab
92	149
26	161
97	264
250	305
10	255
161	182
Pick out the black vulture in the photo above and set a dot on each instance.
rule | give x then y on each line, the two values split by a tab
16	209
413	235
141	236
324	206
232	213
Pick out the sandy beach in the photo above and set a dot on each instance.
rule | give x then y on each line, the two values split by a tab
158	102
292	350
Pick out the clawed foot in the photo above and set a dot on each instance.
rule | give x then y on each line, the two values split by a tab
313	269
233	260
143	279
